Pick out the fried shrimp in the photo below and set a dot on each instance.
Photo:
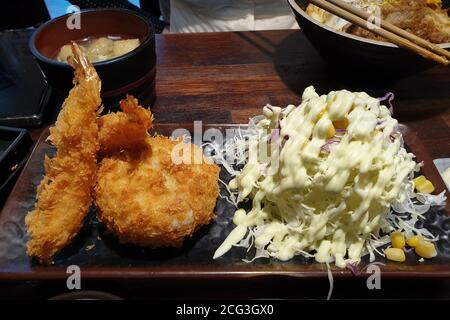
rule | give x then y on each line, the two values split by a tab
145	198
124	130
64	194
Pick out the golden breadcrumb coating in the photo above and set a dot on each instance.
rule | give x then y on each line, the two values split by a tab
64	194
124	130
146	199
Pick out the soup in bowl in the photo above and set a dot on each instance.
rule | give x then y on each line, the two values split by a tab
120	44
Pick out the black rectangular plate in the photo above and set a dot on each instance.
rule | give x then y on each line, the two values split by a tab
101	256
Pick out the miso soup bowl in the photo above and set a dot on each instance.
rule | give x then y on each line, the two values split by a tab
133	73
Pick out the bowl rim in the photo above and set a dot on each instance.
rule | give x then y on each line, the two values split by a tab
34	50
296	7
86	295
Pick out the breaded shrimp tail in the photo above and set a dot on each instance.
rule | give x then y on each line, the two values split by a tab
64	194
124	130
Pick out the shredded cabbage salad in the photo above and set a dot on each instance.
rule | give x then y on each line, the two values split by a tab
327	179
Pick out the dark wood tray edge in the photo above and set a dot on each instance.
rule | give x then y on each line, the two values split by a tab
152	273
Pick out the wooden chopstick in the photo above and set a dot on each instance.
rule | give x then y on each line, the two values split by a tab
387	30
393	28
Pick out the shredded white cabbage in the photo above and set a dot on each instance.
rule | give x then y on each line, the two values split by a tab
331	196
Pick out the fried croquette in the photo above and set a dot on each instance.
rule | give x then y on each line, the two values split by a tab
65	193
144	198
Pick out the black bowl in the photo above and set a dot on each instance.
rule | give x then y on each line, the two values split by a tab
347	51
133	73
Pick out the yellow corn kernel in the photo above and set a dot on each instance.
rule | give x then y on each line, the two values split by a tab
419	180
426	187
321	114
395	254
413	241
397	239
423	185
425	249
341	124
331	132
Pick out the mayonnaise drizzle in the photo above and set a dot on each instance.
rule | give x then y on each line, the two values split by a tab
307	199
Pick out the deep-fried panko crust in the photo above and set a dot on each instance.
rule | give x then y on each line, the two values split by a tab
148	200
124	130
428	21
64	194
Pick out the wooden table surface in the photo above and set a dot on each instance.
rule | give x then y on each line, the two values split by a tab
228	77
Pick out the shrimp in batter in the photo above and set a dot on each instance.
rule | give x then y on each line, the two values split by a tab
65	193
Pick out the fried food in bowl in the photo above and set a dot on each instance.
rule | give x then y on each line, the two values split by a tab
424	18
352	50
